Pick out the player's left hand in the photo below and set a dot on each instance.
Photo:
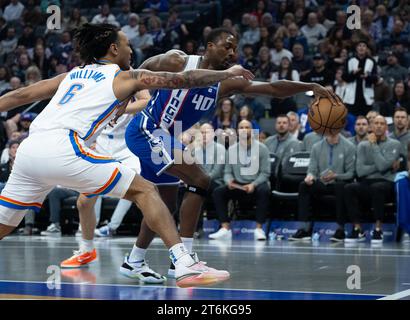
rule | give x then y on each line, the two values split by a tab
238	71
320	91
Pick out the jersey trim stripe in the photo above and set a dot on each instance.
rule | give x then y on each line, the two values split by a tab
18	205
80	152
180	109
110	184
163	110
100	120
117	72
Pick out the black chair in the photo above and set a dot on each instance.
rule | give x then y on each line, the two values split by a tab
274	163
291	173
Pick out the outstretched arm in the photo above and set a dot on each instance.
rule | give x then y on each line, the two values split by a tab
38	91
138	102
134	80
277	89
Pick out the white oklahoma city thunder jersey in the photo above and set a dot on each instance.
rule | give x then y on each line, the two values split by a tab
84	102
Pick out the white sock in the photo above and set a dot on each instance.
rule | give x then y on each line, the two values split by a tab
86	245
137	254
179	255
188	243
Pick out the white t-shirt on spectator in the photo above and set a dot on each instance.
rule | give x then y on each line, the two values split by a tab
4	156
7	46
276	57
295	76
313	35
13	12
110	19
130	32
140	41
251	36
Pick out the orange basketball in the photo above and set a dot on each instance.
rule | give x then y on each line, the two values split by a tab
325	118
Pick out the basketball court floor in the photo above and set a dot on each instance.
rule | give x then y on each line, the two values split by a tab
272	270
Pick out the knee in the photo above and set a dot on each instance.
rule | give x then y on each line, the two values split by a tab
84	203
202	180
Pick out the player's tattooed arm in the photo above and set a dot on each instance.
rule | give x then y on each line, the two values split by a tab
188	79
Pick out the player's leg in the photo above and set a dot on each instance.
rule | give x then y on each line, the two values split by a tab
5	230
134	263
87	253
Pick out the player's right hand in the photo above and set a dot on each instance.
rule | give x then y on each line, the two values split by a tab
320	91
238	71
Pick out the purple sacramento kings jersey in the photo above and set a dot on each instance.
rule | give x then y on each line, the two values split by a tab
151	133
185	105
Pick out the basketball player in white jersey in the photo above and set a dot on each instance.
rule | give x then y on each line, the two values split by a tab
111	142
166	107
83	102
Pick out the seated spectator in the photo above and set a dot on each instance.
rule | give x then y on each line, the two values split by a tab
21	123
142	43
14	136
13	11
246	113
41	60
27	39
5	170
157	5
64	48
225	121
175	29
285	71
4	78
241	179
376	159
8	44
401	131
319	73
361	129
263	135
33	75
382	96
301	64
157	32
294	126
309	140
313	31
123	17
265	67
264	39
371	115
105	16
75	20
339	85
279	52
131	29
383	23
331	166
295	36
401	99
248	61
393	71
402	187
55	198
252	35
282	144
